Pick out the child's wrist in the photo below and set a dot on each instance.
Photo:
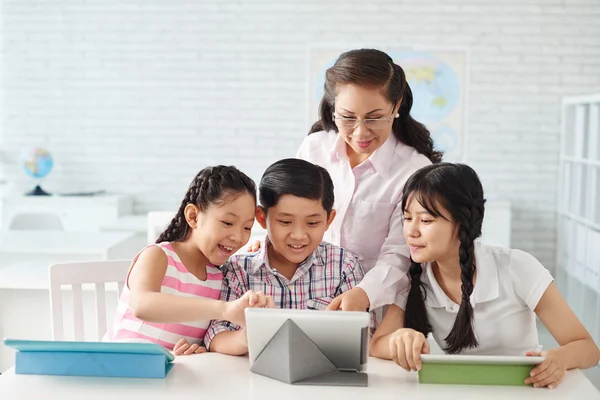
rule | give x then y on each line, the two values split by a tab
243	338
221	310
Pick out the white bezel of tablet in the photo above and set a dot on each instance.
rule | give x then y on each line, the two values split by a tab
473	359
341	335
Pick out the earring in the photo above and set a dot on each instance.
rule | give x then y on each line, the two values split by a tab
397	115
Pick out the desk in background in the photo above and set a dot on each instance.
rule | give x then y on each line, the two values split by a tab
63	246
24	260
77	213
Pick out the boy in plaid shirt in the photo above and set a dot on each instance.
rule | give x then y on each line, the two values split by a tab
293	266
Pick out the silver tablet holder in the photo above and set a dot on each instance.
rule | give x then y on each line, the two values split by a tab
291	357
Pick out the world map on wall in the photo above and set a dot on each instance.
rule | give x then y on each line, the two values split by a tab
434	84
436	93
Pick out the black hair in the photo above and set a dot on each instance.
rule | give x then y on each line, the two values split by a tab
457	189
374	68
211	186
299	178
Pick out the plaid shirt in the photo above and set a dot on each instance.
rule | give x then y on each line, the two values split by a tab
325	274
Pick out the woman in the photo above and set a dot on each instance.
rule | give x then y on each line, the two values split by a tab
370	145
473	298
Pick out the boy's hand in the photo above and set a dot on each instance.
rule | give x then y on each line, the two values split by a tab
183	348
354	299
254	247
234	310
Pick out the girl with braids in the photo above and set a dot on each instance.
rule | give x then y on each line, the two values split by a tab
173	287
473	298
368	142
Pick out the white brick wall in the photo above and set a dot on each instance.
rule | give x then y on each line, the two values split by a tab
136	96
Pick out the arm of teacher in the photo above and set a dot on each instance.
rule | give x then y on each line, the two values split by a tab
388	275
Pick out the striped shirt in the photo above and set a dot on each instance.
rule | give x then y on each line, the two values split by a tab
177	281
326	273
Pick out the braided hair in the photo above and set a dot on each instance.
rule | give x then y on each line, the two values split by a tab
456	188
212	185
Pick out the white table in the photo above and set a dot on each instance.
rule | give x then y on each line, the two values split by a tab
65	245
136	223
215	376
131	223
26	255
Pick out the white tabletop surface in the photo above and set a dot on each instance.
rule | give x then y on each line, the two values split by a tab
133	222
32	275
216	376
59	242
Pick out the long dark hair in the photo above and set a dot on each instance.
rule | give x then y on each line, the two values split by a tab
212	185
374	68
299	178
457	189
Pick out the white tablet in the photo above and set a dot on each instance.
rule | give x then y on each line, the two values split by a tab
342	336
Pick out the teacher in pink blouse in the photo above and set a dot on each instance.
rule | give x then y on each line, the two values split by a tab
370	145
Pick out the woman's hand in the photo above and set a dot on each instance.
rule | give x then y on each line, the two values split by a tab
406	347
354	299
550	372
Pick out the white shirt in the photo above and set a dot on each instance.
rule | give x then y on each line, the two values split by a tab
508	287
367	202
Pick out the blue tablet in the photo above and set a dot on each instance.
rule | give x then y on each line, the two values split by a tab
111	359
89	347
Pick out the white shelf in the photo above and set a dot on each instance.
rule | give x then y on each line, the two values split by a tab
586	99
578	228
581	221
581	161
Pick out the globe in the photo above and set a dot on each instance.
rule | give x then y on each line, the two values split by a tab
37	163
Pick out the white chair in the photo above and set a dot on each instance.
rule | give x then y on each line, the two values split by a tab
76	274
157	223
36	221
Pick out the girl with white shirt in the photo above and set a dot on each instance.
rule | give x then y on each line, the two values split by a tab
473	298
370	145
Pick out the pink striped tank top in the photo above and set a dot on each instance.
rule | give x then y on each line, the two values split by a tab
177	281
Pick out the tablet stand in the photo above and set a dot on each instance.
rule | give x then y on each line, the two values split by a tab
291	357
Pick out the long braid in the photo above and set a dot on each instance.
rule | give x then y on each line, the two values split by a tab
462	336
209	186
415	316
452	192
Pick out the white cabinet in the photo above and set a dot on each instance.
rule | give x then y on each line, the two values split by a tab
77	213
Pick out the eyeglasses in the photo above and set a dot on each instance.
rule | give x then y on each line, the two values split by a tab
370	123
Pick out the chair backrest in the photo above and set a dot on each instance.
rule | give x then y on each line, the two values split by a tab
76	275
36	221
157	222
